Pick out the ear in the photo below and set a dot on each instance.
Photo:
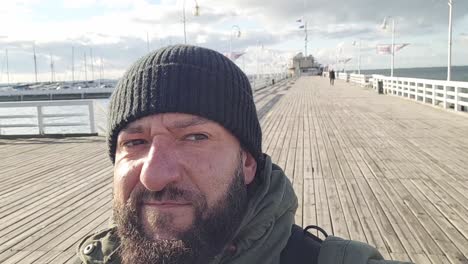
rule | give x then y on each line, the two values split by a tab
249	165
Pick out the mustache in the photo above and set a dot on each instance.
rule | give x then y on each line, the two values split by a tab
171	193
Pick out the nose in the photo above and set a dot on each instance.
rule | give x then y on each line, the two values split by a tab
161	166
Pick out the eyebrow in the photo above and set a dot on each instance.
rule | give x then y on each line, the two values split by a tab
138	129
189	122
135	129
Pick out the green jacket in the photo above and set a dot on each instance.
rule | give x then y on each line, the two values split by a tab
102	247
263	234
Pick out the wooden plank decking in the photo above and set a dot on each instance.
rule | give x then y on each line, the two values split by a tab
375	168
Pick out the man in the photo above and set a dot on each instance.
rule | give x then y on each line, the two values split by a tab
332	77
191	184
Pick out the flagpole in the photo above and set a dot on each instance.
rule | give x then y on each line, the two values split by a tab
449	63
359	59
359	55
305	28
306	37
393	46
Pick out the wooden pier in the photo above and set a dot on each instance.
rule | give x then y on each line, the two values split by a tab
375	168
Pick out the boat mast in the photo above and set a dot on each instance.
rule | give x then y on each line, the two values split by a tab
73	64
52	72
85	69
7	69
35	61
92	64
102	68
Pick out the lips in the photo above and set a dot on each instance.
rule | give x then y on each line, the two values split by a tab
166	204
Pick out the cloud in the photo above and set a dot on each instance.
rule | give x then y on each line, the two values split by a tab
464	38
78	4
117	56
116	30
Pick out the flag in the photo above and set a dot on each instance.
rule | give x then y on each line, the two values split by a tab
384	23
234	55
345	60
400	46
387	48
384	49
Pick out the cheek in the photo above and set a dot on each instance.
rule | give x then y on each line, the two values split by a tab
212	173
126	177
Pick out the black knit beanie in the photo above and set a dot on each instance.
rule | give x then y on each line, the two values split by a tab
191	80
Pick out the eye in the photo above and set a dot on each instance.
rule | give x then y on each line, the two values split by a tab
133	143
196	137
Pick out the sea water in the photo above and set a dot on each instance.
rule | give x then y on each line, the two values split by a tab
459	73
100	106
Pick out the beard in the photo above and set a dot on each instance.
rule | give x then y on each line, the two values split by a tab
211	231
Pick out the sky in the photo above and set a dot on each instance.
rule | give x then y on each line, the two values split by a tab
111	34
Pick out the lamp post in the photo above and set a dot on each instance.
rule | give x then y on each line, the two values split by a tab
238	34
35	61
449	63
195	13
384	26
147	42
359	54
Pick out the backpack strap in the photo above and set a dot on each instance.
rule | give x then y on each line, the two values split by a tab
302	248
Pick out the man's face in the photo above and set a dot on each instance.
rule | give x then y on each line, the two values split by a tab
178	181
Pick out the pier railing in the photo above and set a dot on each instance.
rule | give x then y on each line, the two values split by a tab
264	81
41	117
360	79
343	76
447	94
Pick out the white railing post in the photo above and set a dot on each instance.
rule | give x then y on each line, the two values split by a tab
409	87
40	120
92	124
456	98
416	91
445	96
433	94
424	93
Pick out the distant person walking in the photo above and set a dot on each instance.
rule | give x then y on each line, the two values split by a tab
332	77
